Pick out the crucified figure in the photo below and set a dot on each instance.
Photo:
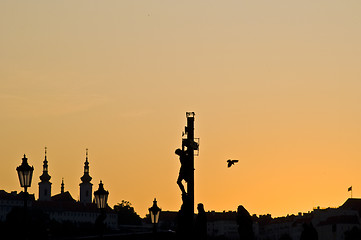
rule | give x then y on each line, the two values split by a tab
185	169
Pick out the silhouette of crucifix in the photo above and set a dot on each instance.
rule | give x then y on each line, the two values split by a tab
185	171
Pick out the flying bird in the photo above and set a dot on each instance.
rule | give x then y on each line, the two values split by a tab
231	162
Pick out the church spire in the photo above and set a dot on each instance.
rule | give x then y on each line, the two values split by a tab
45	184
45	177
86	185
62	186
86	178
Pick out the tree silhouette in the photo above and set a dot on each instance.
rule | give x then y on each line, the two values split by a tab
126	214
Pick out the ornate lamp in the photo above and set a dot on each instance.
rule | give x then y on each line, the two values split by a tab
154	212
101	196
25	173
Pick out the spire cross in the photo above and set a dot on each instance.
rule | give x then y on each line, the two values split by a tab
45	154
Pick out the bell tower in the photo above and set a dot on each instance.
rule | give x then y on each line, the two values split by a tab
45	184
86	186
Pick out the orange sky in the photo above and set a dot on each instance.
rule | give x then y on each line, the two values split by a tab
275	84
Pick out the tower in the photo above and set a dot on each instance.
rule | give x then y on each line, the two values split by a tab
86	185
62	186
45	184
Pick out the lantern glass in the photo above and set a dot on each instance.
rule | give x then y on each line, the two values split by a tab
154	217
25	173
101	196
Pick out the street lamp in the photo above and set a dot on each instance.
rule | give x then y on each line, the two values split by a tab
25	173
154	212
101	198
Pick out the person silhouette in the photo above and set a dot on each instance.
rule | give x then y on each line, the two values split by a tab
200	226
244	221
185	169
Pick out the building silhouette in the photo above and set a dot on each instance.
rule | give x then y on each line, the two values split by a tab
329	223
10	200
86	186
61	207
45	184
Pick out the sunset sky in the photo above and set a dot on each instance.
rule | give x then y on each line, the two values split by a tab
275	84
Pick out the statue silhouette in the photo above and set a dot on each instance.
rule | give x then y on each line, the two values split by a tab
245	223
184	226
201	223
185	169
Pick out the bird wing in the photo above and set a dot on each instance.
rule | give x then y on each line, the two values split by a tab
234	161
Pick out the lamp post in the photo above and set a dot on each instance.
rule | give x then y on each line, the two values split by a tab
101	198
154	212
25	173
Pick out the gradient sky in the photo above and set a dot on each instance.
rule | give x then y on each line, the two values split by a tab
275	84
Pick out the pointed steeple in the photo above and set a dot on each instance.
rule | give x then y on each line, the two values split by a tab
45	184
86	185
62	186
86	178
45	177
